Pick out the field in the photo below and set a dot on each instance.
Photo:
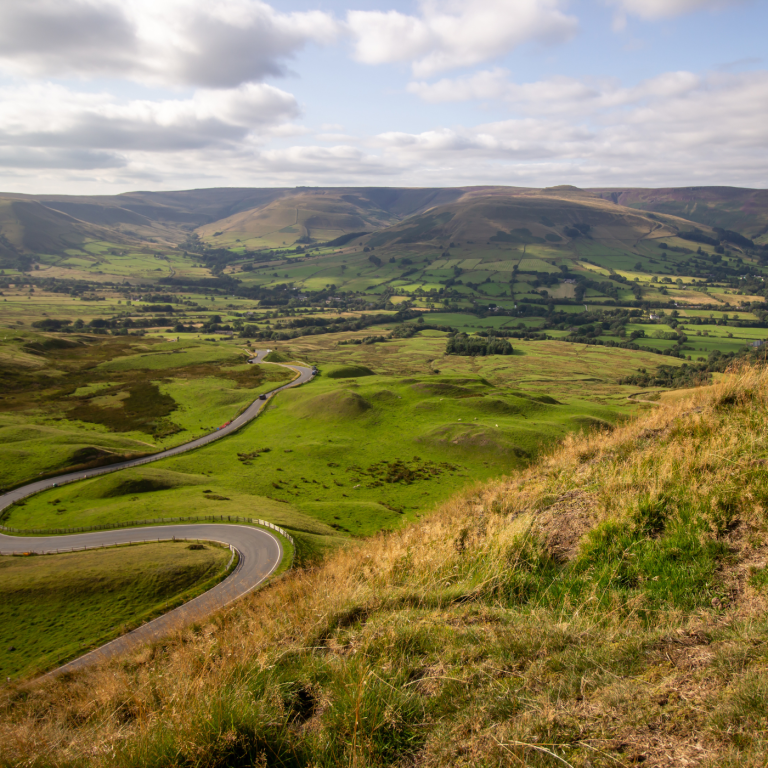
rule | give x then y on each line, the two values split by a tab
70	402
55	607
353	455
347	456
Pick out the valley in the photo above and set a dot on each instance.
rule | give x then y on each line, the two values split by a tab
459	335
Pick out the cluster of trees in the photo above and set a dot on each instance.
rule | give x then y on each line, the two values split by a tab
313	326
693	374
407	330
364	340
116	325
477	346
578	230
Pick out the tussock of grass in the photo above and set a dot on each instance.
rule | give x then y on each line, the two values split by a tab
604	607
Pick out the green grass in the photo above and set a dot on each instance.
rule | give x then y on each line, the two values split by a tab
56	607
177	355
339	456
70	407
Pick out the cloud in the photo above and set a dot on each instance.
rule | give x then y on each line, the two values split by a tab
341	160
674	129
456	33
181	43
70	159
50	121
652	10
555	95
493	85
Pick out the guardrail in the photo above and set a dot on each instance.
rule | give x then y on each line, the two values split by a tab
151	521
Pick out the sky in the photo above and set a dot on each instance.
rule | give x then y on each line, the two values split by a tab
110	96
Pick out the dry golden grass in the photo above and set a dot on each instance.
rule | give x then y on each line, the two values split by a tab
604	607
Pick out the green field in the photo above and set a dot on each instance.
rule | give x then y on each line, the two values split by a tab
350	454
91	399
56	607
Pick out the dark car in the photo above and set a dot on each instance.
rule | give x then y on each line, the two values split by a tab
262	397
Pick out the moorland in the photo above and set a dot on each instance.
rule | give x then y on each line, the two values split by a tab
460	336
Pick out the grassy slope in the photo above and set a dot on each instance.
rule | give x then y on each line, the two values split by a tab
742	210
604	607
55	607
355	454
283	221
66	406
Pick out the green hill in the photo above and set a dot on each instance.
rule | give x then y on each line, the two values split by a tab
554	217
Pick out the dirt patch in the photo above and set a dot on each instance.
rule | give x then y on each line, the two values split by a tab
564	523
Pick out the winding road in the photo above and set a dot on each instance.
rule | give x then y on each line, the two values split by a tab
259	551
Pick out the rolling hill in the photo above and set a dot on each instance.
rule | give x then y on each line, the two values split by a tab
79	233
555	216
742	210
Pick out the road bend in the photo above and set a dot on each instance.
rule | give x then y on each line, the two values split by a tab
259	551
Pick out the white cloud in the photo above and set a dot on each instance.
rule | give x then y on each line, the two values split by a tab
660	9
555	95
652	10
215	44
45	122
456	33
340	160
675	129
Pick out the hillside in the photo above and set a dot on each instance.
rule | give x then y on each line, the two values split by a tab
604	607
79	237
545	217
36	225
303	218
742	210
29	229
306	215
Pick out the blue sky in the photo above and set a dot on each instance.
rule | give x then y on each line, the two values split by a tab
106	96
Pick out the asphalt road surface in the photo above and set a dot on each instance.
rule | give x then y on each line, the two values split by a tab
259	551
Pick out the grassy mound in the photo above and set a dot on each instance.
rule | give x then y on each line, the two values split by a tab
604	607
338	405
55	607
139	480
277	357
346	371
474	438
